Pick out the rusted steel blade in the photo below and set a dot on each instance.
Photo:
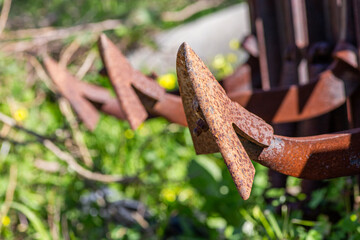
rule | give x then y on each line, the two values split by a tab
82	96
146	95
126	80
101	98
65	83
171	108
207	107
216	129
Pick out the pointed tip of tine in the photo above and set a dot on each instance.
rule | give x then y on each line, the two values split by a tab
102	38
197	82
50	64
103	42
185	49
184	46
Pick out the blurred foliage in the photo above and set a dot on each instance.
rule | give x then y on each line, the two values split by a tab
140	18
185	196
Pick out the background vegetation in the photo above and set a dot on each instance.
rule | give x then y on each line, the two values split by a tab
174	195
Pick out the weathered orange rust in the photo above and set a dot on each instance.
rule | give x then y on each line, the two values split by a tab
123	77
241	137
215	128
82	96
137	93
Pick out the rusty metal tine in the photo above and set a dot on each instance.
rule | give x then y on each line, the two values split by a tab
120	75
207	107
126	81
93	92
171	108
100	96
112	107
102	99
212	125
66	83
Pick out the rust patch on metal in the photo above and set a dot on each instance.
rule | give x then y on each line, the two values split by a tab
213	125
85	98
124	79
317	157
63	80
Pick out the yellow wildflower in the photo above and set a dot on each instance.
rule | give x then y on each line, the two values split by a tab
5	221
168	194
167	81
219	62
21	114
227	69
129	133
234	44
231	57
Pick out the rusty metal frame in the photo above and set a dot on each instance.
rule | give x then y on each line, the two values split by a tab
240	135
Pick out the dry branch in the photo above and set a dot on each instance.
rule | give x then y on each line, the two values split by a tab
66	157
190	10
40	37
9	193
68	53
82	171
4	15
78	136
85	67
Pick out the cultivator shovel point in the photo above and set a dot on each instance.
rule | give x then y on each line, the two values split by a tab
213	126
84	98
138	95
218	124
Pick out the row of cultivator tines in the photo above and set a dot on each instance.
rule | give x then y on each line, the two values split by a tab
301	80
